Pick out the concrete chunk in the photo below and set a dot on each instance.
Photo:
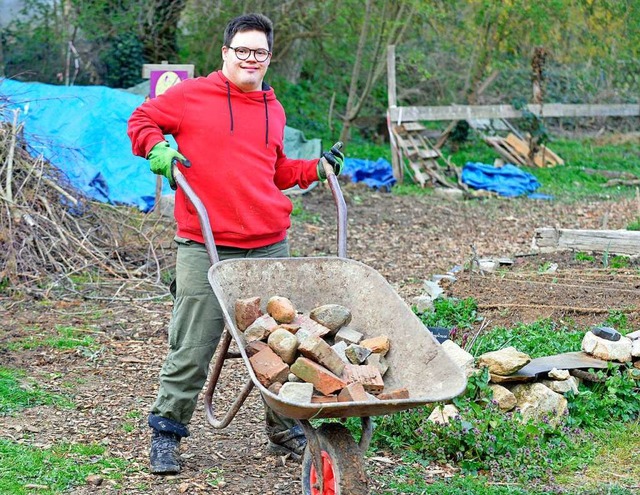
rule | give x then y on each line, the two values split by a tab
299	393
348	335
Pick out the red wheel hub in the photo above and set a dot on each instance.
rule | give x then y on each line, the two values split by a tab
328	477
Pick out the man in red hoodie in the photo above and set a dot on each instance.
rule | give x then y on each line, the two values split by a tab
230	126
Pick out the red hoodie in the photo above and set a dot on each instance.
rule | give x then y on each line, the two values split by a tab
234	141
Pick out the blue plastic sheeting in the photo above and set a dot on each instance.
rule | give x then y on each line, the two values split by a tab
378	174
507	180
82	130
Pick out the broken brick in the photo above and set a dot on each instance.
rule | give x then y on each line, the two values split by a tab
247	311
323	380
268	367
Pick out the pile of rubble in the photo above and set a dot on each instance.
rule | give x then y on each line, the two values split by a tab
537	386
313	357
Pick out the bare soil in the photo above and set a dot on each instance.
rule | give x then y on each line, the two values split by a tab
406	239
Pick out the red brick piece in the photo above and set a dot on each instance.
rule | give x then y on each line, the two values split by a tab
319	351
398	393
368	375
253	348
323	380
380	344
268	367
353	393
247	311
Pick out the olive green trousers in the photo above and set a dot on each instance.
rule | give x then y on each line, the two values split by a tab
196	327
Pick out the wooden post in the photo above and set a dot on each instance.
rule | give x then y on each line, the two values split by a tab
396	159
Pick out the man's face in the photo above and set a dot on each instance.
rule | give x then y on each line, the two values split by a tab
246	74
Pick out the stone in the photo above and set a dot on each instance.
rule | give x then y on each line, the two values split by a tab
379	361
636	365
281	309
633	335
332	316
275	387
268	367
369	376
260	329
515	378
284	344
247	311
504	398
443	414
319	351
253	348
457	354
299	393
395	394
606	349
293	378
635	348
309	327
322	379
537	401
557	374
354	392
503	362
340	347
348	335
356	354
563	386
424	304
380	344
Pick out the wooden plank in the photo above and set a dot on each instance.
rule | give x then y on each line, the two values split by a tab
518	145
420	177
465	112
392	98
616	242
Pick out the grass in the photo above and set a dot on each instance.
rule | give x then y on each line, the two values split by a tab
28	469
66	337
17	392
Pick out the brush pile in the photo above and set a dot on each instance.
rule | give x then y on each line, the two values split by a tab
56	239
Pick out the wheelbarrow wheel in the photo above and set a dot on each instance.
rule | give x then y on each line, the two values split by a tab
342	464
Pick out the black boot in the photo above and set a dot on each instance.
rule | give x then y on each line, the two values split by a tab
287	441
164	455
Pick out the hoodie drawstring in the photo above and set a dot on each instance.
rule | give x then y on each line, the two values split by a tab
229	102
266	113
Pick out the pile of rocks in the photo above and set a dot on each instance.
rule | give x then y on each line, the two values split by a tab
313	357
536	387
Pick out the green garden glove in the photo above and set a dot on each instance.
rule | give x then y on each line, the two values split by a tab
335	159
161	159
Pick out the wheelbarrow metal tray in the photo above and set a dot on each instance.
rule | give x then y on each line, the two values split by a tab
416	360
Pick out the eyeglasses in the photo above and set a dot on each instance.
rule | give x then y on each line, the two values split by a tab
243	53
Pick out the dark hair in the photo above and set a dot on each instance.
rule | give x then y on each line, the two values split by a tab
249	22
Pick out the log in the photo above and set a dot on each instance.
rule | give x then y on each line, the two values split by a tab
617	242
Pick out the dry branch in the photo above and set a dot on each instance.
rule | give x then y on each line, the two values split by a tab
54	236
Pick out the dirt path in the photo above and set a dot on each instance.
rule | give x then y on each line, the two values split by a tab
407	239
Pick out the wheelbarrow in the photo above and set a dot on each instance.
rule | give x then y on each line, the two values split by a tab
332	462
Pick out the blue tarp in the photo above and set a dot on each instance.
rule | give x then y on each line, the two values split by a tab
507	180
82	130
378	174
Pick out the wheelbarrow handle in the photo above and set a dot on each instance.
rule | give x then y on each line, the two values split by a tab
205	225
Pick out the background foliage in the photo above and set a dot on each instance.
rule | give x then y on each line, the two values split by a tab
329	63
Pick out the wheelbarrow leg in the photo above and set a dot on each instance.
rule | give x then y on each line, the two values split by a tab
223	354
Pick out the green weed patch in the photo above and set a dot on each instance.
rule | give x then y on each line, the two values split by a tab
66	338
17	392
53	470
